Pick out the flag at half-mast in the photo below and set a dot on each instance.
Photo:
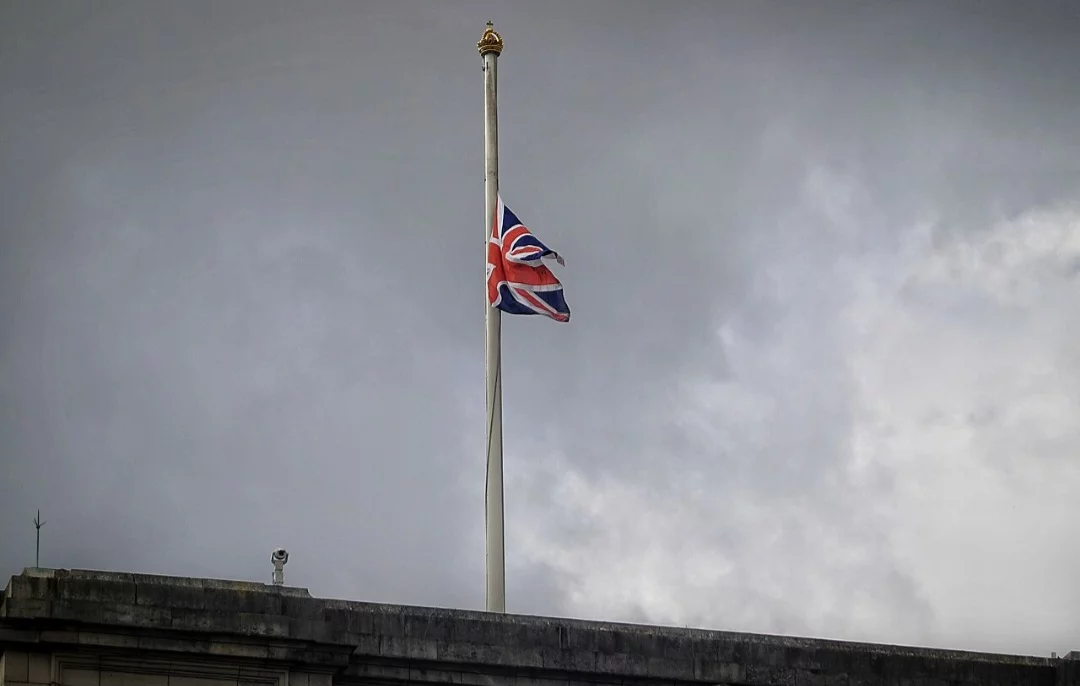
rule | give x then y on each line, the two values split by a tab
518	281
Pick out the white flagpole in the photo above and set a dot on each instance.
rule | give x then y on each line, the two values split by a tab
490	47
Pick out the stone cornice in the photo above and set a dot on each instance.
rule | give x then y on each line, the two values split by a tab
368	641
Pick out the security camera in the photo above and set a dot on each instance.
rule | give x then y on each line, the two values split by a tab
279	557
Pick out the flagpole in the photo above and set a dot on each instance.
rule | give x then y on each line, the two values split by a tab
490	47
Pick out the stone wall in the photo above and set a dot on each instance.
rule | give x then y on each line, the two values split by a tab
79	628
98	668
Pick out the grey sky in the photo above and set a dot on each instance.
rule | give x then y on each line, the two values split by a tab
822	257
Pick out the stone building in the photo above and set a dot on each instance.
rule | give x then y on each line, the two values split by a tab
83	628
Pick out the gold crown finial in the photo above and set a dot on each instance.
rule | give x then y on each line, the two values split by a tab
491	42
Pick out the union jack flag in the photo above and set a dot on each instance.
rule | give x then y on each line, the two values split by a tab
517	280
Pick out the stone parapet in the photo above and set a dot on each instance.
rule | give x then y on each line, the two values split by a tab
114	616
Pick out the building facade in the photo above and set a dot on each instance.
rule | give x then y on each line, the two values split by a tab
85	628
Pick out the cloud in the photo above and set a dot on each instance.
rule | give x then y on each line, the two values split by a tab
893	451
821	374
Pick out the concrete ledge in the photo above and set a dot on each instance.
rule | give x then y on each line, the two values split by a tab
392	643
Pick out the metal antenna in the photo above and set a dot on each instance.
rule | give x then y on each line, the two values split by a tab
37	550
